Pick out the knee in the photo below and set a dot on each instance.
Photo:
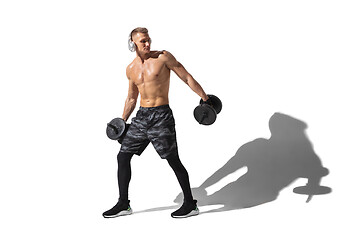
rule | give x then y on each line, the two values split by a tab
124	158
176	164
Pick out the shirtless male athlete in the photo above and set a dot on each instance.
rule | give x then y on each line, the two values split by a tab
149	75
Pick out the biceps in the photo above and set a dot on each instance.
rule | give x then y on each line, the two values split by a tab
133	91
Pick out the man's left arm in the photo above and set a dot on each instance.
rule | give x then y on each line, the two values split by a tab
181	72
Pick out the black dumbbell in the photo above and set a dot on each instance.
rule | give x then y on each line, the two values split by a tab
206	112
116	129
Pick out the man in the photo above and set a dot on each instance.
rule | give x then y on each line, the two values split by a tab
149	75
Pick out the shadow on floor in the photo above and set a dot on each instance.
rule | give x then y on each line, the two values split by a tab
272	164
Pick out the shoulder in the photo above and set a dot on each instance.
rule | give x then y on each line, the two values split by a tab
166	54
130	68
163	54
169	59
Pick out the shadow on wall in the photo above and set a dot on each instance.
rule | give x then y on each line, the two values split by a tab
272	164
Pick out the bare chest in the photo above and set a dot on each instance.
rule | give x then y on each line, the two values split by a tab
151	70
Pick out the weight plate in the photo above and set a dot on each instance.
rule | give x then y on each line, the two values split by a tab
115	128
204	114
217	104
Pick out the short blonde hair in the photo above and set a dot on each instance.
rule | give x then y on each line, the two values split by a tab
138	30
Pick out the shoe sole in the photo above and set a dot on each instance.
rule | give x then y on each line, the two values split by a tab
122	213
192	213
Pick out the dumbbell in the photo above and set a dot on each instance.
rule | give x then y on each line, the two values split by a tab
206	112
116	129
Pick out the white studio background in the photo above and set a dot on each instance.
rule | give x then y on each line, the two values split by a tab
62	69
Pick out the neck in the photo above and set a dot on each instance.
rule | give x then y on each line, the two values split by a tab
143	56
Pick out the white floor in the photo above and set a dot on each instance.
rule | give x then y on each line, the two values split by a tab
63	78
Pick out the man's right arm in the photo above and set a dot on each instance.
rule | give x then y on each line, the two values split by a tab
131	99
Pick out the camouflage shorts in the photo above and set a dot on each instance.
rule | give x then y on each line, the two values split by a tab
155	125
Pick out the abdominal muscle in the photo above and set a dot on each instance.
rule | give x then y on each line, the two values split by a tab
154	94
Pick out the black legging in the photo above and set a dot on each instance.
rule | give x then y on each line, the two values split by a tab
124	174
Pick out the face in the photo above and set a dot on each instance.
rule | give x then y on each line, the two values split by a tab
142	41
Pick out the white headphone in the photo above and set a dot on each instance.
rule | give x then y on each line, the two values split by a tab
131	44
